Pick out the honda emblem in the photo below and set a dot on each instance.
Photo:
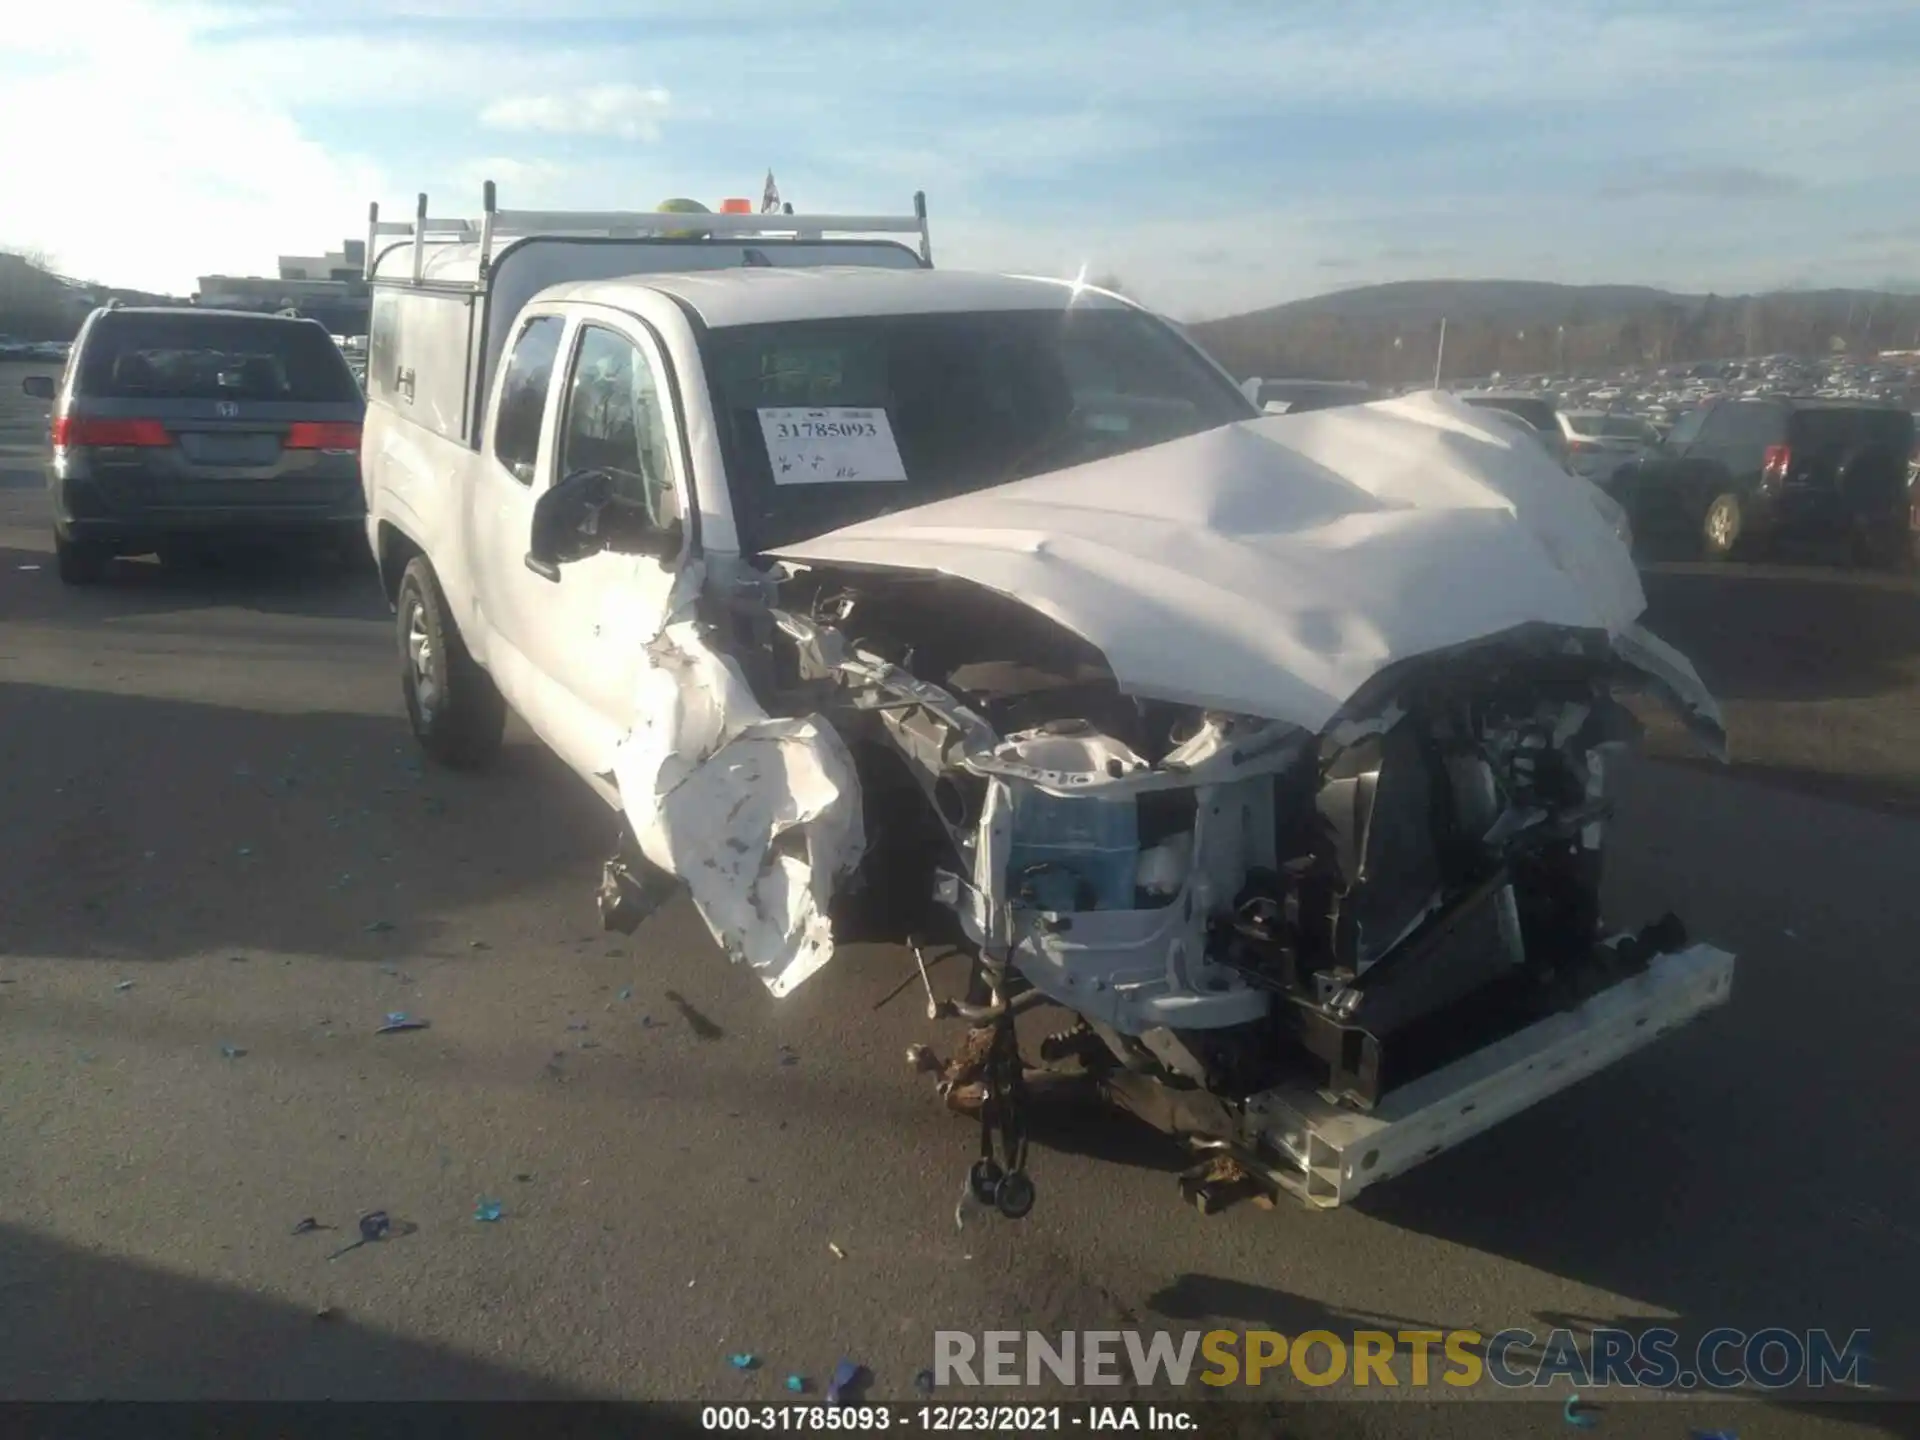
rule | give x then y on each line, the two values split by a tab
226	409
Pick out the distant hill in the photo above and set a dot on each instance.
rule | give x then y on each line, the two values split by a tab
1522	326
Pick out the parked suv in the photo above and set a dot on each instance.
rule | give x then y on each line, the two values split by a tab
1734	476
172	426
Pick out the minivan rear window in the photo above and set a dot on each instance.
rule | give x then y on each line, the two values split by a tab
209	357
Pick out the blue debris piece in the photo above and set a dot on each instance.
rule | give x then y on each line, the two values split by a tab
1578	1415
847	1377
744	1361
797	1384
400	1020
488	1211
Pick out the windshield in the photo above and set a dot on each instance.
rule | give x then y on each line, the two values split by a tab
1612	427
829	422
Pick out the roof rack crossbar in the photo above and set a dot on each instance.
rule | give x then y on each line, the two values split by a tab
495	224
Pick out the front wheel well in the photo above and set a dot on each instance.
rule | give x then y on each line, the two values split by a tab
395	551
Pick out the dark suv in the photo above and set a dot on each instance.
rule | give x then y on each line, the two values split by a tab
1735	475
178	426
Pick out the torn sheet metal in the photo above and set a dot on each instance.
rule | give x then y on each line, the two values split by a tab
759	816
1272	567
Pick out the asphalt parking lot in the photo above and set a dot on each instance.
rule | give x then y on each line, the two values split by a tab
221	866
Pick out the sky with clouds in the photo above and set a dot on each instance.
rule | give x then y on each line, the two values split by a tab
1218	155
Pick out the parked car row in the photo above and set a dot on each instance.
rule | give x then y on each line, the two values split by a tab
52	351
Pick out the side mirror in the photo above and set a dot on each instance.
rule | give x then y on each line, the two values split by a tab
41	387
583	515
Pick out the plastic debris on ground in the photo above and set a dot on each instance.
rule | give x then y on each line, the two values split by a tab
375	1225
399	1020
124	986
848	1377
1579	1414
233	1052
744	1361
244	851
488	1211
838	1253
626	993
797	1384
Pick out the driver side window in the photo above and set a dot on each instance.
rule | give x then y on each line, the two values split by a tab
613	422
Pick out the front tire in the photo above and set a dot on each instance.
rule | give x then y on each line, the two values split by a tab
455	710
79	563
1721	528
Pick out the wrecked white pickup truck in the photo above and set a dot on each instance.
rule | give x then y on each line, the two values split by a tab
979	610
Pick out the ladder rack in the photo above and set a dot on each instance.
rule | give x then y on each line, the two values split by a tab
495	225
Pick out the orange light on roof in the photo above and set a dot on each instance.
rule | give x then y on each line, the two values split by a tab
736	207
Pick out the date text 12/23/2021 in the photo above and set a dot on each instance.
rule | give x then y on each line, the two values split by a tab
947	1419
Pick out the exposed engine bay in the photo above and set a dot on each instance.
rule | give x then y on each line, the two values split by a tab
1291	946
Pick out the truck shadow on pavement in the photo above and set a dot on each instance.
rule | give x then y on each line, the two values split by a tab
136	828
1765	633
81	1326
273	580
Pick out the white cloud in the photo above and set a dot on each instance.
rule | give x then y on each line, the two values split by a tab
219	134
628	111
175	172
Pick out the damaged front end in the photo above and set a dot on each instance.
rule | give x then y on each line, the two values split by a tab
1317	958
1279	756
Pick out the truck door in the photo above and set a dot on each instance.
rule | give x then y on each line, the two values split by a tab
567	653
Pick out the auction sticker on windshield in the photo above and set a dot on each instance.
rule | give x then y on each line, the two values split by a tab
837	445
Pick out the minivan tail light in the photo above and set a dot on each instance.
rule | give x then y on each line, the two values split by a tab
70	431
322	435
1774	465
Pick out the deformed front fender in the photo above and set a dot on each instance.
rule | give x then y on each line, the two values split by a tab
759	816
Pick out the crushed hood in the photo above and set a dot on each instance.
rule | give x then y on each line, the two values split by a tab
1273	566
